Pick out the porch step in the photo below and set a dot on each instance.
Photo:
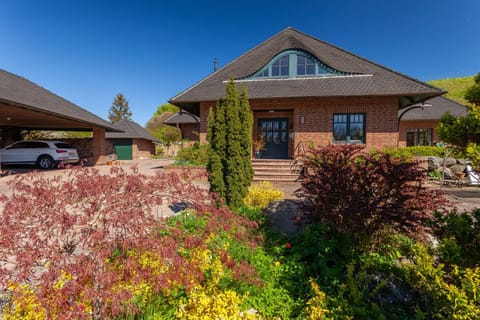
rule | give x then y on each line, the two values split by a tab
276	170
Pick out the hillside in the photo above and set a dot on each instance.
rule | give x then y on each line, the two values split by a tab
456	87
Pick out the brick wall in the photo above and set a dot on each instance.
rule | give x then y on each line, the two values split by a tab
190	131
416	124
317	113
142	149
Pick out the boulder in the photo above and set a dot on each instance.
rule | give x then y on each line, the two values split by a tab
458	168
448	162
463	161
448	174
434	163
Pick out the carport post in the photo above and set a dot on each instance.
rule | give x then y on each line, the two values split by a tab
99	146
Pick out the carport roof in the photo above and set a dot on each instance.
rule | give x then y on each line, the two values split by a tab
28	105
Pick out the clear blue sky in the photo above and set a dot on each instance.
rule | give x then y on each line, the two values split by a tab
87	51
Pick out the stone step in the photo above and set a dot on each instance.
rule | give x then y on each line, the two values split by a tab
276	170
276	173
292	178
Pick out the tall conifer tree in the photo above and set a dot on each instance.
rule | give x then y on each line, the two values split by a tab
119	109
229	133
235	175
216	137
246	120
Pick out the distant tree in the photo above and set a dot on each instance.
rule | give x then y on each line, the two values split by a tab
119	109
166	107
51	135
464	132
473	93
165	133
229	133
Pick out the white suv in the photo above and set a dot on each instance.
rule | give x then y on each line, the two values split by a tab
45	154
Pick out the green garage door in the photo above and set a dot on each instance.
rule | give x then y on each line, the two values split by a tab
123	149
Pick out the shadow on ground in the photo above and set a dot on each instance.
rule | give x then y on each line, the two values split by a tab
282	216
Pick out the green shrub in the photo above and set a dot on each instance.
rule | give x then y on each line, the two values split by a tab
195	155
442	294
459	235
407	153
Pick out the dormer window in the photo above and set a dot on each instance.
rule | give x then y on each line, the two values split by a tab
305	66
295	64
280	67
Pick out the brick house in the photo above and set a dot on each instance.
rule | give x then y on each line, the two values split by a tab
303	90
417	125
133	143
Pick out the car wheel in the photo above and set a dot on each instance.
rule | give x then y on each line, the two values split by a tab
45	162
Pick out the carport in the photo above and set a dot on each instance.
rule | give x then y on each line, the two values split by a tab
27	106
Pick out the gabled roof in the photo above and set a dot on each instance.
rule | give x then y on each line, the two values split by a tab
439	105
22	94
367	78
131	130
182	118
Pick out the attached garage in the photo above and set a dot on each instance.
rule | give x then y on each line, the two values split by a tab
123	148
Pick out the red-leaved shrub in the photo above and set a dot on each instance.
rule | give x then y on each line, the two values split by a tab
77	240
365	193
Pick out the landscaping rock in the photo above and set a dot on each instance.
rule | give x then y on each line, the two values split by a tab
448	173
448	162
463	161
434	163
458	168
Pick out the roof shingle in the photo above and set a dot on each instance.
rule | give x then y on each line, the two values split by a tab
439	105
131	130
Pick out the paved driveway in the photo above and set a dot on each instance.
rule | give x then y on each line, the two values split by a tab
145	166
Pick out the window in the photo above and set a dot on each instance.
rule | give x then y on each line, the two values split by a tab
295	63
419	137
305	66
349	127
281	67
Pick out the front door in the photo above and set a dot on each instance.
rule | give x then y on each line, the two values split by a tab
275	133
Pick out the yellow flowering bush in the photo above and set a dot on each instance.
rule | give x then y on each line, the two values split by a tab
24	304
261	194
207	300
316	308
454	295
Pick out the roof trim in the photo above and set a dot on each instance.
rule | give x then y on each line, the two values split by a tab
301	78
